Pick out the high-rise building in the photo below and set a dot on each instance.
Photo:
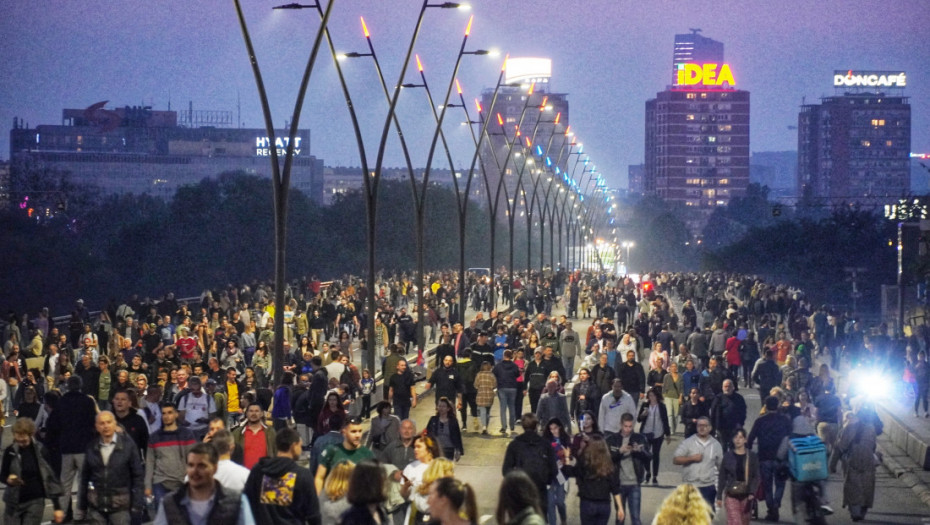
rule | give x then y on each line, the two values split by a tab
635	179
527	115
138	150
697	139
692	47
776	169
855	147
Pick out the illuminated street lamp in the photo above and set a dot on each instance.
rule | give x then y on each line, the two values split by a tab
628	245
372	177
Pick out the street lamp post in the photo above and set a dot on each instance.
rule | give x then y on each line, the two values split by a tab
372	178
628	245
281	177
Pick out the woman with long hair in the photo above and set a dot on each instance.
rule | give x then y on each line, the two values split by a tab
737	480
672	392
691	410
585	395
587	428
452	502
518	501
332	415
445	427
261	361
653	418
684	506
333	502
345	343
598	483
555	435
248	343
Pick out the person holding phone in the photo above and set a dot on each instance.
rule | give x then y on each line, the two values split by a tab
28	475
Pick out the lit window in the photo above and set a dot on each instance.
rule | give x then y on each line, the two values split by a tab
711	139
689	117
866	143
878	122
724	182
888	143
690	96
703	95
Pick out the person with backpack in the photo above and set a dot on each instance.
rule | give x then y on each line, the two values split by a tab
532	454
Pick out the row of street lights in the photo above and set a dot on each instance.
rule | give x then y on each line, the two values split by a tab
572	216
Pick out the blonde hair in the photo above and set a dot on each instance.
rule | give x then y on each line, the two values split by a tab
438	468
337	482
684	506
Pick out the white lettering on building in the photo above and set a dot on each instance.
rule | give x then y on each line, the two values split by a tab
263	146
870	79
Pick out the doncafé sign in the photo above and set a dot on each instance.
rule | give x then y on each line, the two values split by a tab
852	78
710	75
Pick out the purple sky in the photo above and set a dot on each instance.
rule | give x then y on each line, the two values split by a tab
609	55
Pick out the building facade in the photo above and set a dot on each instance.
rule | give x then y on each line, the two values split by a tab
855	147
138	150
697	136
694	48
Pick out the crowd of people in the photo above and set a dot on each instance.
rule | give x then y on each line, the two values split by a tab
164	411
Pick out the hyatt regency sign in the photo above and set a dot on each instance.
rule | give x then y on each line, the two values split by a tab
852	78
263	146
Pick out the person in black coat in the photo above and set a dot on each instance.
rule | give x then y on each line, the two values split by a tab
70	428
444	426
585	395
691	410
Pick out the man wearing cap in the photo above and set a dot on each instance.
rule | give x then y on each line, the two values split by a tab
481	350
196	407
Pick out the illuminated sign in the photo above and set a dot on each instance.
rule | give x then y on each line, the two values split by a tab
852	78
525	70
263	146
709	75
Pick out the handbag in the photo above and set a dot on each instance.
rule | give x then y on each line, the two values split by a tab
740	489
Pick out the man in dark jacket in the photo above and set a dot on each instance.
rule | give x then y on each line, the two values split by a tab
771	428
225	506
633	376
532	454
506	372
111	489
447	381
767	374
728	413
280	491
70	429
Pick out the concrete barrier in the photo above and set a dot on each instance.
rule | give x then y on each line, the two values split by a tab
916	447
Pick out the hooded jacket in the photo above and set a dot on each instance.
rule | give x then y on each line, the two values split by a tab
281	492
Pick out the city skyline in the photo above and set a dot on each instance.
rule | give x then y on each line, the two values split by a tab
610	57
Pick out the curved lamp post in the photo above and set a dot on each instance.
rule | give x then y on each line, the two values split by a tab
281	176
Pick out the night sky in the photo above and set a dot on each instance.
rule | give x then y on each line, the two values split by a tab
609	56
